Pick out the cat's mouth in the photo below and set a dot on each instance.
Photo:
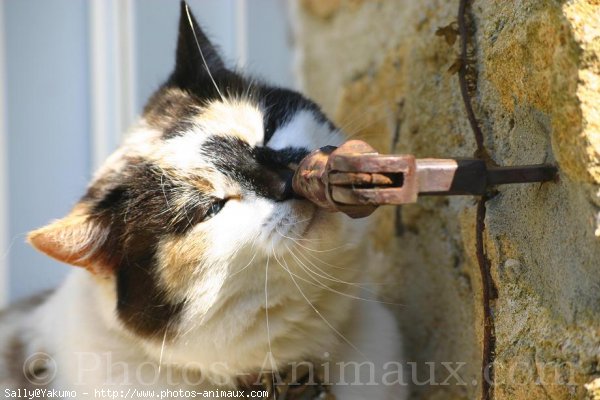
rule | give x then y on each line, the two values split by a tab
311	222
298	220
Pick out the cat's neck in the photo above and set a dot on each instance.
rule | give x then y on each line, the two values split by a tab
86	349
79	328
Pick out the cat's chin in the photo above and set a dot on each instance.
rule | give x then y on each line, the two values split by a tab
307	221
312	220
321	224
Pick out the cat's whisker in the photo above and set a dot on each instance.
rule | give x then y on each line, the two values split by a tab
368	108
366	286
189	17
313	240
354	123
298	238
12	243
320	284
162	186
296	241
184	334
325	274
126	212
293	223
267	301
162	348
357	130
313	256
296	222
301	239
251	85
312	273
315	308
185	212
251	260
325	263
244	268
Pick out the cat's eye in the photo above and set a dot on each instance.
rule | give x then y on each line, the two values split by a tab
216	206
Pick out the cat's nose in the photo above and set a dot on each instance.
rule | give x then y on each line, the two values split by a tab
280	184
280	165
286	173
287	192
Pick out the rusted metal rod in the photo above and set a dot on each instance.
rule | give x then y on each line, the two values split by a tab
355	179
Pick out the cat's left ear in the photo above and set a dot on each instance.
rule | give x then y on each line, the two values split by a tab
78	239
196	56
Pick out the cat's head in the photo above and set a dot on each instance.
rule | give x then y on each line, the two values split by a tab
188	213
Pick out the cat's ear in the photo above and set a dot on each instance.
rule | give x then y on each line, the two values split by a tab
78	239
196	57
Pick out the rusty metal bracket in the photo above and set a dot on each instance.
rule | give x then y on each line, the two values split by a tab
355	179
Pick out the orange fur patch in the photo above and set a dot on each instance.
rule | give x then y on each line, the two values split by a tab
178	258
233	118
74	240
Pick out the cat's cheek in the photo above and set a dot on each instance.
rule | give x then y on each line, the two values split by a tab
336	239
241	223
330	226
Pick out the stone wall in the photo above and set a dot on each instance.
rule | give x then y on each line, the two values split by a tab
381	72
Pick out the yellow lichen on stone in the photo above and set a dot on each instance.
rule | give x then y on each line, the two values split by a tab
593	389
519	60
538	58
322	8
583	17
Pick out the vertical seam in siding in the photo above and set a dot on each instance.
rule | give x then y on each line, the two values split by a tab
4	222
241	32
99	80
126	63
112	74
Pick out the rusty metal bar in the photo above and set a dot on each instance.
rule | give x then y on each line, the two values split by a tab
355	179
522	174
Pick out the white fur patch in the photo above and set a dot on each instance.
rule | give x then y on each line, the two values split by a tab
141	141
305	131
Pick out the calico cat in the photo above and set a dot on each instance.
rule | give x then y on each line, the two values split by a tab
200	269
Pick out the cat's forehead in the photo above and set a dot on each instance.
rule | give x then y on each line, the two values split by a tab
176	122
214	121
175	113
178	128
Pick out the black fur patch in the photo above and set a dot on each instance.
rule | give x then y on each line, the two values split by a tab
195	53
139	209
260	170
170	110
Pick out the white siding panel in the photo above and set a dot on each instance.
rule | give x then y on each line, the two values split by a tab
3	173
